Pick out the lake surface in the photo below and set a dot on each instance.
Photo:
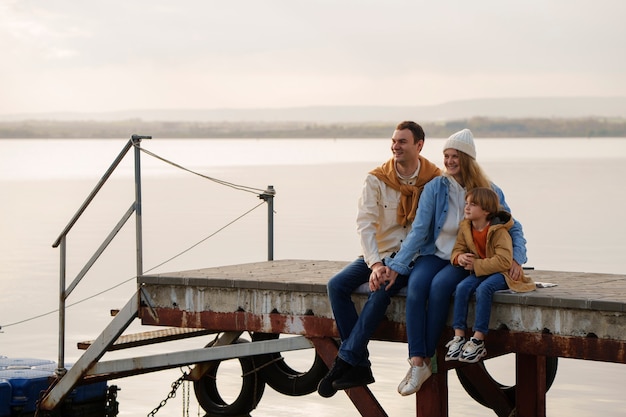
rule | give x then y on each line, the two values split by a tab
567	193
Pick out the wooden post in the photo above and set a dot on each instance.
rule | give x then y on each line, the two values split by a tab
361	397
432	399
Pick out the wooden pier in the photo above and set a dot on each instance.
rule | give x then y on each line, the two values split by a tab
581	317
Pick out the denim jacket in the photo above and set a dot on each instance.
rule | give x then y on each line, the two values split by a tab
431	215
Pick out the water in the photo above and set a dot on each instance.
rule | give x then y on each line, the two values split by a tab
564	191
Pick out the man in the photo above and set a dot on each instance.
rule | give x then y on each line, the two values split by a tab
386	209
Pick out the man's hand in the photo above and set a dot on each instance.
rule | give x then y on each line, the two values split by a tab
378	276
382	275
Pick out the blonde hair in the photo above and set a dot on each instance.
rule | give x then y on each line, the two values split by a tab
472	175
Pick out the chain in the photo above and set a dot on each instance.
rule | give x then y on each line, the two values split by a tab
175	385
186	389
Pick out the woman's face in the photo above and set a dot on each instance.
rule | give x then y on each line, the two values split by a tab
451	161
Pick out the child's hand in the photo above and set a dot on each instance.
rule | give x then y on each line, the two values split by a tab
466	260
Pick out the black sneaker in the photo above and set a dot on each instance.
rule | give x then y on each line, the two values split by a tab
325	387
354	377
473	351
455	348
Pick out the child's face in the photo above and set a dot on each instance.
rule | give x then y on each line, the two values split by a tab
474	211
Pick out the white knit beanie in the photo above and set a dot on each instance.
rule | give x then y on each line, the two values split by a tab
462	141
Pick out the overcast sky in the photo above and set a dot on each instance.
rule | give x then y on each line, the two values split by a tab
70	55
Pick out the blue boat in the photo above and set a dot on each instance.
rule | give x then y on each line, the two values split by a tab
23	380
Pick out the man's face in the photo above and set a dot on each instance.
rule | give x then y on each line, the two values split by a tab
403	146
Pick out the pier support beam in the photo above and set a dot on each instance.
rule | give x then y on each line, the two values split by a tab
361	397
97	349
432	399
530	395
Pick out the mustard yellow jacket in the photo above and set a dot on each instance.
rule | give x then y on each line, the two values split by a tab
499	251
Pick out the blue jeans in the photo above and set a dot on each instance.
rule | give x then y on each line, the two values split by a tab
431	284
484	287
356	330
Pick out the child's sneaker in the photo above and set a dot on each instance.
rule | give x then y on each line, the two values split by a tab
473	351
455	347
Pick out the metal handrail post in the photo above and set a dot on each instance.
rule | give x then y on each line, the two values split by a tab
268	197
62	270
138	225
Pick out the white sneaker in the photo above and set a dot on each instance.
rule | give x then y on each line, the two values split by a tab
414	379
405	380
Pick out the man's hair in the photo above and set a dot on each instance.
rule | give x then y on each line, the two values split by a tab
485	198
416	130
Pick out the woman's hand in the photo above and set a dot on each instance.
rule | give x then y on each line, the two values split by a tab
391	277
516	272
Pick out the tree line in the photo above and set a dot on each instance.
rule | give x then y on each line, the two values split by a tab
482	127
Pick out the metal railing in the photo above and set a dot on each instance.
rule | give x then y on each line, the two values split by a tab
61	241
135	207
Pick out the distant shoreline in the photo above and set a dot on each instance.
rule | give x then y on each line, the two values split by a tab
481	126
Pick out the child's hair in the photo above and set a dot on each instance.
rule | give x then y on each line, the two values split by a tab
485	198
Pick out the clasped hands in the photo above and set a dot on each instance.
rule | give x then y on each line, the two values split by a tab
466	261
382	275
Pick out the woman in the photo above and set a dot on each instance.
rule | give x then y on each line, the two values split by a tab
425	254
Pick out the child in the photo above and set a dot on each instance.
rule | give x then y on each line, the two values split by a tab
483	246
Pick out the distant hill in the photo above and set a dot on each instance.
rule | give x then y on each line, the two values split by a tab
557	107
485	127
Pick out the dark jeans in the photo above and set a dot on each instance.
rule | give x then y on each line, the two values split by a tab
357	329
431	284
484	287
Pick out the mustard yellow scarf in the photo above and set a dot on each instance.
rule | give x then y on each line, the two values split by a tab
410	194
